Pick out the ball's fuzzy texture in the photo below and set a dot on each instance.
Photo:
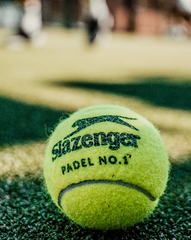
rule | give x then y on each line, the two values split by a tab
105	167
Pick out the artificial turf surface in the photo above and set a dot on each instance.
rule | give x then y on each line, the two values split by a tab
33	99
27	212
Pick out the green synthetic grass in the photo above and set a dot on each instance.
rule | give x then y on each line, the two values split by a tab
38	87
21	123
27	212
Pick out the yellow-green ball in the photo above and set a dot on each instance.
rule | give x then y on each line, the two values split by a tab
105	167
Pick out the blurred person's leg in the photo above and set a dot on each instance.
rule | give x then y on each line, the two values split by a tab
31	23
30	27
99	19
184	5
179	20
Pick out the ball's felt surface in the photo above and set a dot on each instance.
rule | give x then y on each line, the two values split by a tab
105	167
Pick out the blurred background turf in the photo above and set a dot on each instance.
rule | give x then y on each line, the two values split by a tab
38	87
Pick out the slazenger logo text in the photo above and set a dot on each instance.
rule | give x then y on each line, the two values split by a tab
112	139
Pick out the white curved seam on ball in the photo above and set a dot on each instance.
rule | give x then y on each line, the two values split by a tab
91	182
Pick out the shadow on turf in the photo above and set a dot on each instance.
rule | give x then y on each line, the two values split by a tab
21	122
161	91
